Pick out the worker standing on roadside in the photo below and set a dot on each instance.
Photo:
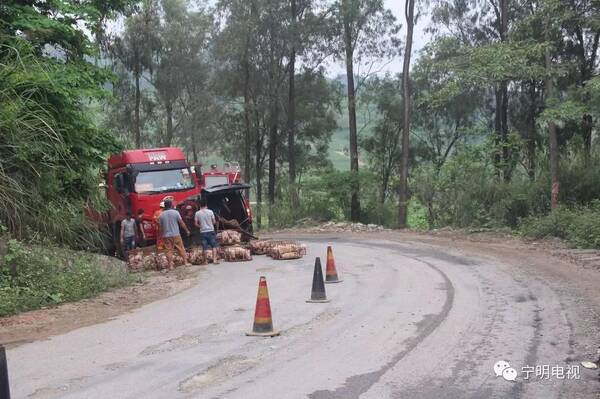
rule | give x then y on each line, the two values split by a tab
205	222
139	223
169	223
159	241
128	234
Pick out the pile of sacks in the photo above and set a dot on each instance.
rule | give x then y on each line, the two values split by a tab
277	249
139	261
347	227
260	247
232	251
229	237
287	250
237	253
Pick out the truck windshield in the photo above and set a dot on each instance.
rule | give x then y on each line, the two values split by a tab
158	181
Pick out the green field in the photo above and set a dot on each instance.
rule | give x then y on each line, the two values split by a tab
339	144
340	139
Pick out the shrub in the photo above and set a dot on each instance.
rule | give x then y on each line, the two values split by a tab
35	276
579	226
556	224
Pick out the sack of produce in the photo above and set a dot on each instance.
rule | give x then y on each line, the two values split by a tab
229	237
237	254
135	260
150	262
196	256
178	260
161	261
259	247
287	250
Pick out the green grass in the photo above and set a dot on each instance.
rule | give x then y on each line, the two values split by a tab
340	138
33	276
338	146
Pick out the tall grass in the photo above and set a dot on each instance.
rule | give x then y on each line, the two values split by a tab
44	185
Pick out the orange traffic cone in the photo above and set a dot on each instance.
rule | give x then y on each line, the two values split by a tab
263	323
331	275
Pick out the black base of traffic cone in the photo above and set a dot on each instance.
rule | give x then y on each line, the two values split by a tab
4	387
318	294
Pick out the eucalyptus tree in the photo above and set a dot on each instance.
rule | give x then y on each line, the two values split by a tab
364	39
184	34
409	12
478	23
135	49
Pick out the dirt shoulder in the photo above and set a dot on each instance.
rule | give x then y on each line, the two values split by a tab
46	322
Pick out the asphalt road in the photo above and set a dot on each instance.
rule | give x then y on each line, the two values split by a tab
410	320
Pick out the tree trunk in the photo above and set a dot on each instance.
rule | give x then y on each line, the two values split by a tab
506	153
531	134
355	185
292	113
169	135
258	173
247	126
501	120
552	131
273	153
136	116
194	147
587	125
498	131
403	195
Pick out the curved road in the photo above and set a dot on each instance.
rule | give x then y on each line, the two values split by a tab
410	320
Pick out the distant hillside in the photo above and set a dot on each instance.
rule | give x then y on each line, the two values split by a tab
338	148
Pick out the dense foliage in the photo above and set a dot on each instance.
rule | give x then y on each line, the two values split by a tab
36	276
51	151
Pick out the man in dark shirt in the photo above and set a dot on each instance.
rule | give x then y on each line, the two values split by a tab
169	223
139	222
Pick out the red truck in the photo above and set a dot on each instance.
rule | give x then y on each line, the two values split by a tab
141	179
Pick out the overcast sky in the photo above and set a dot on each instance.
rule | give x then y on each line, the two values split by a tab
395	66
419	39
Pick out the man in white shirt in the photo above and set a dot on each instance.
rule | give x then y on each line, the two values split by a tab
204	220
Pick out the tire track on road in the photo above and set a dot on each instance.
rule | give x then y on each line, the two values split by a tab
358	384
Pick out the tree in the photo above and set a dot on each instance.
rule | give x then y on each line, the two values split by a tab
50	148
135	50
455	18
365	33
183	36
403	197
383	146
291	123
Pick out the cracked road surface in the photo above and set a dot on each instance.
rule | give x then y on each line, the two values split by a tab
410	320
